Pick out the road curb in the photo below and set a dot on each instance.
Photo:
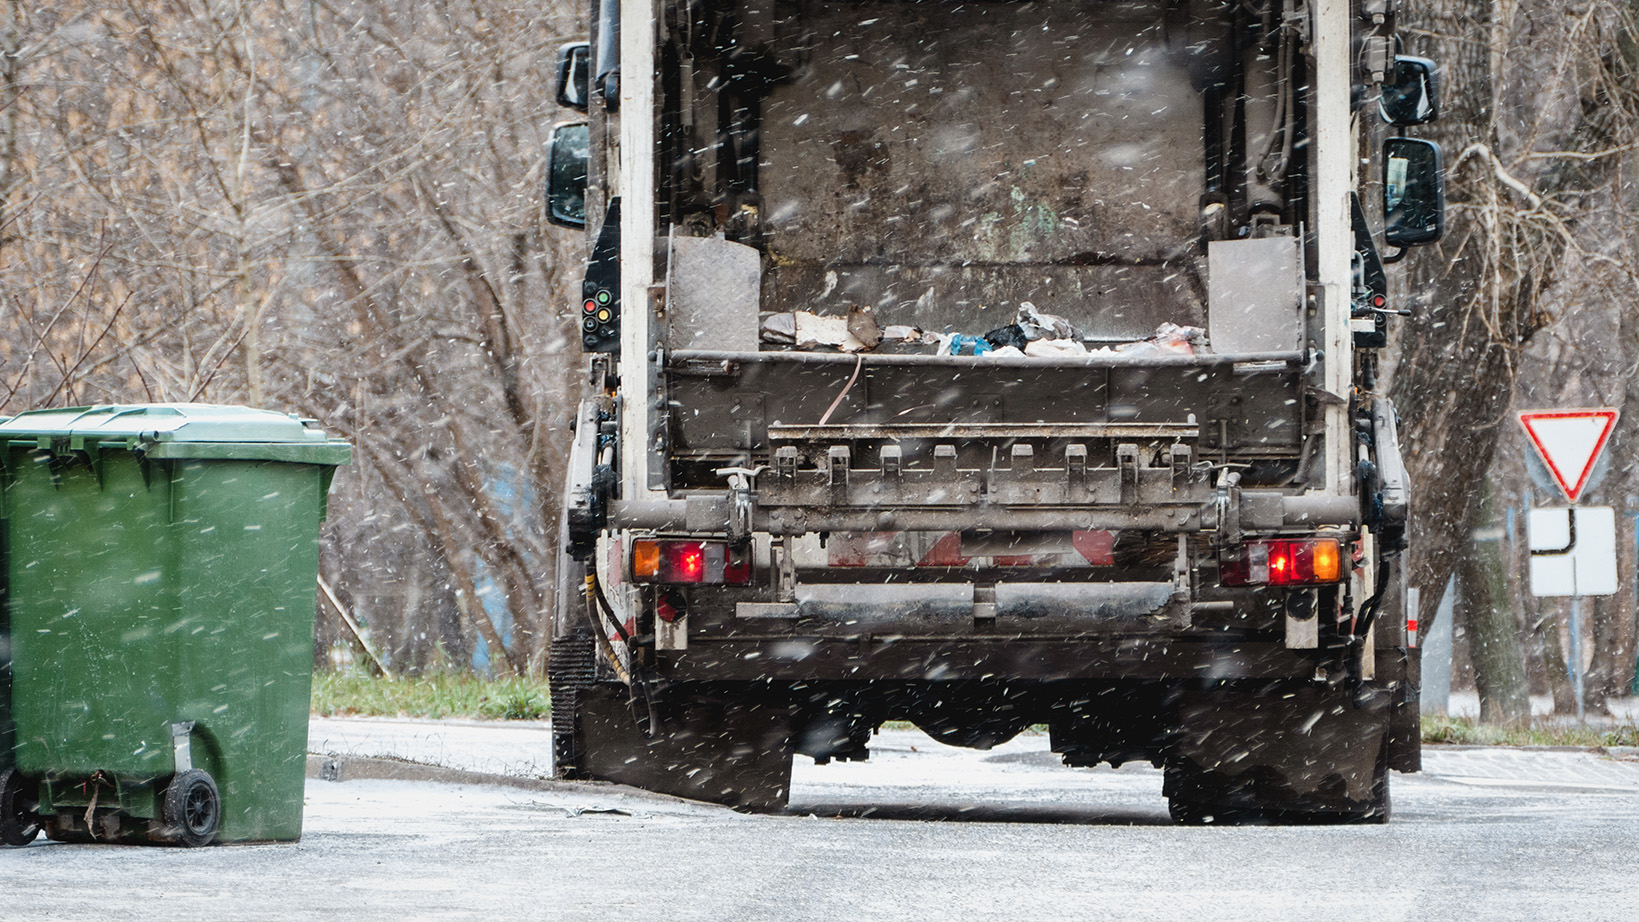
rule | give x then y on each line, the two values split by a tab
339	768
1627	753
366	768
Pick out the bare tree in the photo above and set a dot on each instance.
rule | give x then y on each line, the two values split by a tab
327	206
1539	114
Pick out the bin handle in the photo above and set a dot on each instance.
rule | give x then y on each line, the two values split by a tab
181	732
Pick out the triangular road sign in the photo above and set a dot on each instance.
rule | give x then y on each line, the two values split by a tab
1569	442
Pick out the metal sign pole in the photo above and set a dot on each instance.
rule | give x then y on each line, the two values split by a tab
1575	647
1633	687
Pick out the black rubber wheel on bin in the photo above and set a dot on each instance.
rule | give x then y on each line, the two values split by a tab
19	808
193	808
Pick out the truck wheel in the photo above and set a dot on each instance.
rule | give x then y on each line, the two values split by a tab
192	811
569	672
1198	796
19	808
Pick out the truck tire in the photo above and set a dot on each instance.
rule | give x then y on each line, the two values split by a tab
569	672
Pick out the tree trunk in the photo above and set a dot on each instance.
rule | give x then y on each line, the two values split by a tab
1527	607
1493	642
11	89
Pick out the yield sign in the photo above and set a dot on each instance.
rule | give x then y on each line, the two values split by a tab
1569	442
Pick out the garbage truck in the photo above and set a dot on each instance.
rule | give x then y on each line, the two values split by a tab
995	367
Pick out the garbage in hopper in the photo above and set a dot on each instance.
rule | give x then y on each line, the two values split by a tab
1032	333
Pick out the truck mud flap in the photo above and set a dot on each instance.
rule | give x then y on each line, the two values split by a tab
715	744
1306	740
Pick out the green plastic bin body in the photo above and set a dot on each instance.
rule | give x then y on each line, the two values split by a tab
161	565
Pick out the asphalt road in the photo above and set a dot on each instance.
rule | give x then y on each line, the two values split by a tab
919	832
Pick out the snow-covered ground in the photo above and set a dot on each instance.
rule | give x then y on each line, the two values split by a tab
905	760
921	831
1467	704
521	748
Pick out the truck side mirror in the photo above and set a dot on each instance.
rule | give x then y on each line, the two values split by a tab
1412	97
575	75
566	174
1414	205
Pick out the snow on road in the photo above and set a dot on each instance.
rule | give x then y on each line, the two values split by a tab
521	748
921	831
910	759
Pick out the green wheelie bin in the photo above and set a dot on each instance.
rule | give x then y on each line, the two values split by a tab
156	649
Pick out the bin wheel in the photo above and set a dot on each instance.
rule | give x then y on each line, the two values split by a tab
193	808
19	808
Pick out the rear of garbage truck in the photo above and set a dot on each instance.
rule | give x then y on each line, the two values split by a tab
986	366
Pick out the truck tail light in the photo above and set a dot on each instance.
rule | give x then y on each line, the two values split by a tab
645	561
709	563
683	562
1326	561
1301	562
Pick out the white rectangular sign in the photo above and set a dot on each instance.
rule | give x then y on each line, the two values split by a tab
1573	550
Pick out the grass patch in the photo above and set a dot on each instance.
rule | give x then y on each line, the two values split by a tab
432	697
1467	732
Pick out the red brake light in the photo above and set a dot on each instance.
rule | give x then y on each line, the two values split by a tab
683	562
1281	563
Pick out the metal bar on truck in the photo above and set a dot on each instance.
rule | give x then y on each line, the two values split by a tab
843	431
696	357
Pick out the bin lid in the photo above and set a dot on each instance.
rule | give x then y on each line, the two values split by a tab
181	430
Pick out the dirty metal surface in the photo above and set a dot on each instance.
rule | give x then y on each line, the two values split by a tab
1064	166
